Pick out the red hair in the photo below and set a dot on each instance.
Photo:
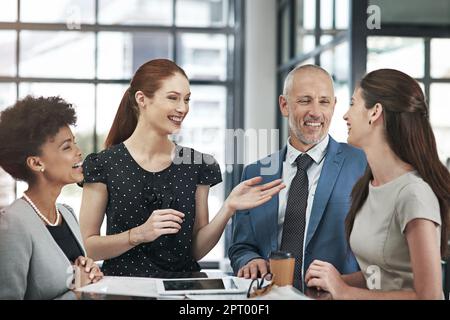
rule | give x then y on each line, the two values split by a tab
148	79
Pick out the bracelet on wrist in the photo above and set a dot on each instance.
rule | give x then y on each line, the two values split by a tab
130	242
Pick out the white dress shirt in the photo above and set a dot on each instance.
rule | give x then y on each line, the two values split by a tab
317	153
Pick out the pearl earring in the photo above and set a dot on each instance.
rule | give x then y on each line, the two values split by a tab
42	169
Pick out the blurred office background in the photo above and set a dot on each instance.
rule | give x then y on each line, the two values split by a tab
236	53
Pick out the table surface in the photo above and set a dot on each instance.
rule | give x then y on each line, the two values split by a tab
310	292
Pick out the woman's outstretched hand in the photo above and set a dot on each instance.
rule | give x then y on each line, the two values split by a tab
248	194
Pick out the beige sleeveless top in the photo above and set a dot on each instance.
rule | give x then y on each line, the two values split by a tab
378	240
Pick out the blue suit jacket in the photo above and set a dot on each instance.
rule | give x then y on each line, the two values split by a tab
255	232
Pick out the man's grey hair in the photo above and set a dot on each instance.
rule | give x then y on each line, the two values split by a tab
289	78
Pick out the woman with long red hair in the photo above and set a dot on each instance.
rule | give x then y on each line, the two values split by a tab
154	192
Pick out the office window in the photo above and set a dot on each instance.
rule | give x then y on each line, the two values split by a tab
57	11
7	95
121	53
201	13
306	10
87	50
135	12
326	14
440	63
404	54
305	25
8	53
48	54
342	9
203	56
9	11
410	12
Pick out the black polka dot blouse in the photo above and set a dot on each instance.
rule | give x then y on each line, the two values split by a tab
134	193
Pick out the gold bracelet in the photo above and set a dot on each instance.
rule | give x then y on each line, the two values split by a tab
131	243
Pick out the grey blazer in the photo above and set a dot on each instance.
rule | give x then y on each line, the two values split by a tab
32	265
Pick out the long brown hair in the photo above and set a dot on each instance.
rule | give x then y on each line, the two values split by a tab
409	135
148	79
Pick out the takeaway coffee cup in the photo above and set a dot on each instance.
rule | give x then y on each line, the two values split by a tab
282	266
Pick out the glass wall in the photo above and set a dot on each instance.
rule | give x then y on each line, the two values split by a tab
87	50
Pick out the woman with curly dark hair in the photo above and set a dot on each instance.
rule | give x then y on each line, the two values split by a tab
40	241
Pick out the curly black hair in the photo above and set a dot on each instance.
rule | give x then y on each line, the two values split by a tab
26	126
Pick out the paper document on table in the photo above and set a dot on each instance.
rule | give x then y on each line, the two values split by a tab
278	293
275	293
127	286
283	293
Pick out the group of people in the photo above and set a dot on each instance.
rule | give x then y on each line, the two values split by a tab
375	207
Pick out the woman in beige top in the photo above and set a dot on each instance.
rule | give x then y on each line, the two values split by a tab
397	224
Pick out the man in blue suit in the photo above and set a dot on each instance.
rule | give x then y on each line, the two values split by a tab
308	102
